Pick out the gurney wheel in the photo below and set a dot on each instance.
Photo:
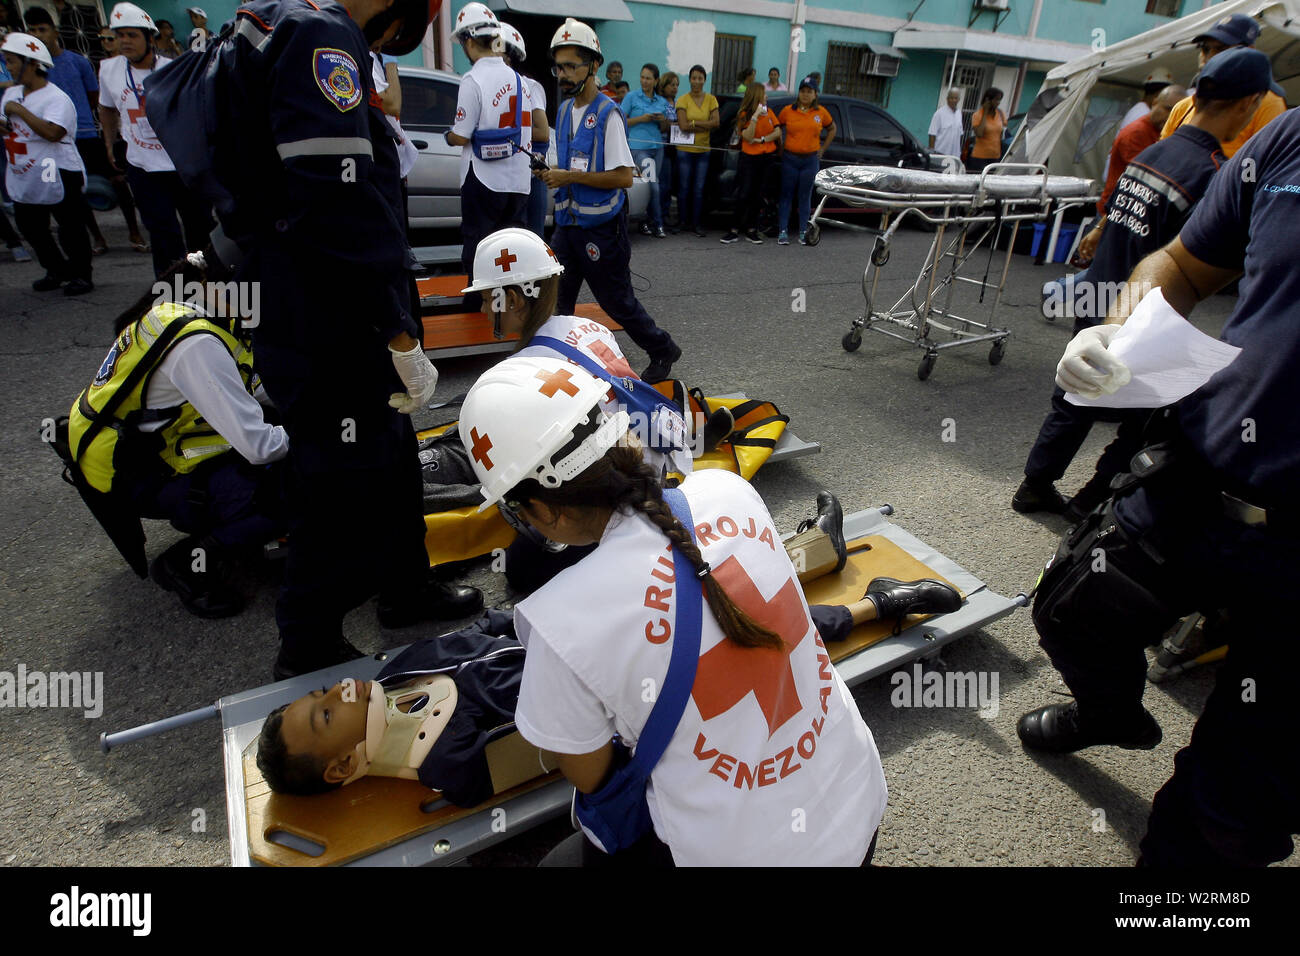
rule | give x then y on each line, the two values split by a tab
999	349
927	365
880	254
852	340
813	235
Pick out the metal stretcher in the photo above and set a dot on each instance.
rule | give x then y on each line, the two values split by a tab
975	207
864	655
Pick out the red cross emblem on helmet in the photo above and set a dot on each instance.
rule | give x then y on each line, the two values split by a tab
33	47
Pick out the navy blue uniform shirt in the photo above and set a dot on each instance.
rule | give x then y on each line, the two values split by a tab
1152	200
318	168
1246	420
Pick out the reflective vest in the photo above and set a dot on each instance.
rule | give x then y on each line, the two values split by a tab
576	204
185	440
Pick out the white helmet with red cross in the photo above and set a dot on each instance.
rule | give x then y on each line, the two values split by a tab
514	42
576	33
129	15
28	47
475	20
513	256
539	418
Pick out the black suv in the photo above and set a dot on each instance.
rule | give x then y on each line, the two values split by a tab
865	135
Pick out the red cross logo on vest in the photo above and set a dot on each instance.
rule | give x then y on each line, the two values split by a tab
14	148
135	114
505	259
560	380
728	673
480	448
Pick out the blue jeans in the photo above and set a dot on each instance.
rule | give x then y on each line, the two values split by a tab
797	173
691	168
656	156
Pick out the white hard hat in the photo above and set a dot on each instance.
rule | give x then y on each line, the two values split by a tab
475	20
576	33
28	47
538	418
514	41
512	256
197	11
1159	76
129	15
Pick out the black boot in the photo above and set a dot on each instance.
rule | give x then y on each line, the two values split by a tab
206	593
896	599
661	365
1034	496
720	424
830	520
1059	728
435	601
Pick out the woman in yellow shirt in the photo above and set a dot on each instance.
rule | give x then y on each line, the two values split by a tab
697	112
988	122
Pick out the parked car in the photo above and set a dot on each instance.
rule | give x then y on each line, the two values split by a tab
865	135
433	187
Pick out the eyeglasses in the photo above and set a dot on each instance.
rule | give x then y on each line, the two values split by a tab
560	68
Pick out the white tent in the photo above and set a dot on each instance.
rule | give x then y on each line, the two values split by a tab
1084	100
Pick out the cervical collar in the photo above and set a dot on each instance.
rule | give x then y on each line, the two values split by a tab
398	739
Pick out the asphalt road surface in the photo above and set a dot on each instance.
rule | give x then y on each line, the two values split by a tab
962	791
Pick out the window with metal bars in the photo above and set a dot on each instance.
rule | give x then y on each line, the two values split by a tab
846	66
972	79
731	54
1163	8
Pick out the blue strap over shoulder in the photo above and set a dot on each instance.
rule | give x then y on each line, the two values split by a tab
668	709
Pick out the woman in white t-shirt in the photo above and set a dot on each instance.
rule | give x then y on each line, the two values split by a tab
44	173
770	762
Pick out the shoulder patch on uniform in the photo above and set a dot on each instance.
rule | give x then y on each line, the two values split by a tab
338	77
109	364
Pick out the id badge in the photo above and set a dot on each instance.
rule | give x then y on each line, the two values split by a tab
579	163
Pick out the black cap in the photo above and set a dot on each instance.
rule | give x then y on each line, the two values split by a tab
1234	74
1235	30
809	82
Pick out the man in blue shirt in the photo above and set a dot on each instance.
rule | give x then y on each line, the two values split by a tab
1147	208
1208	520
647	122
73	74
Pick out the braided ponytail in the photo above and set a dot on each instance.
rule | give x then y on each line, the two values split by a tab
622	479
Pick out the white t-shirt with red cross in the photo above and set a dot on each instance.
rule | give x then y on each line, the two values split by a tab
771	763
487	101
121	86
599	344
33	162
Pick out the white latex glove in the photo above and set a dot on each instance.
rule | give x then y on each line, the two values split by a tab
1088	368
418	375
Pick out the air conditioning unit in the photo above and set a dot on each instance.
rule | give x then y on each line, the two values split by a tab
877	64
1000	5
